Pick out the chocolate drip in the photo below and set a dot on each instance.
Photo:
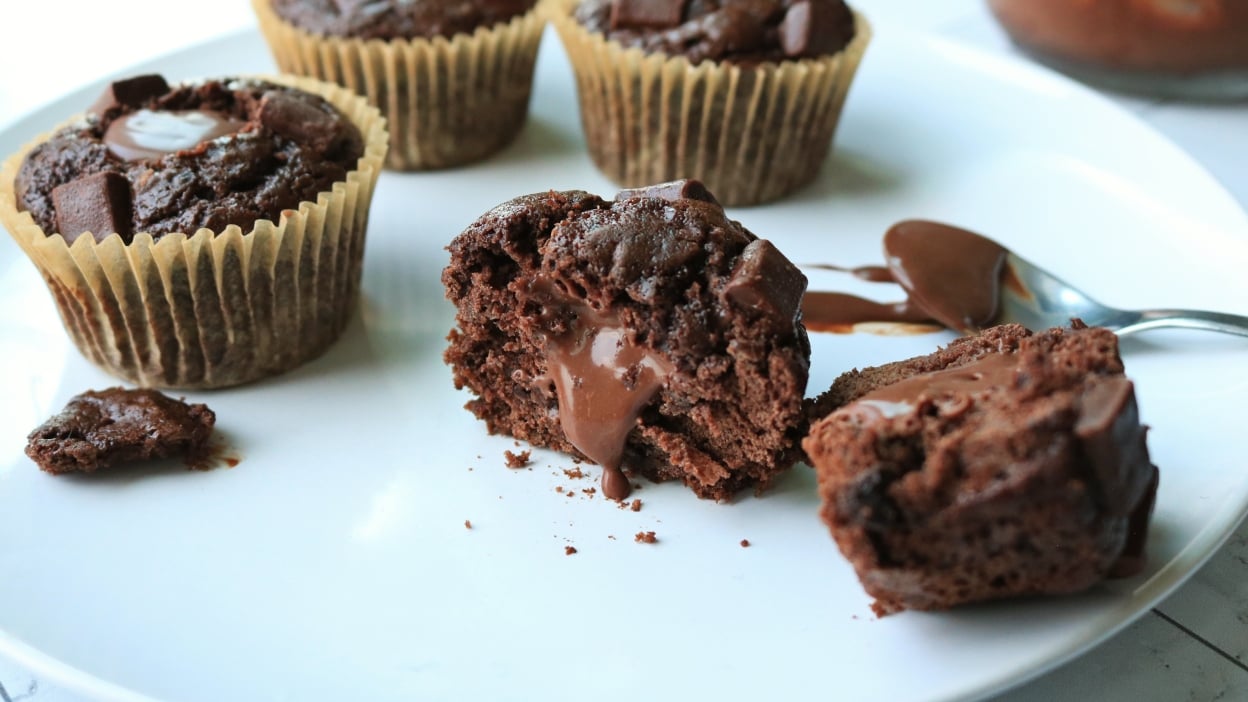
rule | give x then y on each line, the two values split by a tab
603	380
839	312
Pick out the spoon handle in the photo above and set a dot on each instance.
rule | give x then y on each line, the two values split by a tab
1187	319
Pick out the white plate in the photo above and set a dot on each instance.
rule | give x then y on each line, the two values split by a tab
333	563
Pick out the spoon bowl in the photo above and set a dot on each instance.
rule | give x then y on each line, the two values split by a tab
1033	297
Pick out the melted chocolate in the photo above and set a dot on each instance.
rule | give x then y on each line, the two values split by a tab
148	135
952	277
871	274
839	312
603	380
952	273
902	397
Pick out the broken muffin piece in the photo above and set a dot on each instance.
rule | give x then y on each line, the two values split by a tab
1006	464
650	333
103	428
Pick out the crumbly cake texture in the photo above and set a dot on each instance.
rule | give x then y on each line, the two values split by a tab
292	145
103	428
689	285
1038	485
397	19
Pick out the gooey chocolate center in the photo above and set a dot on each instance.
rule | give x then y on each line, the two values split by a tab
603	381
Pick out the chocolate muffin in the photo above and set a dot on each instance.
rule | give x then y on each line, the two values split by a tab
452	78
397	19
201	235
742	94
1006	464
103	428
743	32
650	333
155	159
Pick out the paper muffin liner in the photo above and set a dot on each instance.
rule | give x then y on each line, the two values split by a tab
751	134
448	101
213	309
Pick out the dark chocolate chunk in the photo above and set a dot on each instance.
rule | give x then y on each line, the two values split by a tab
287	115
673	191
1110	433
98	203
98	429
659	14
766	282
131	92
813	28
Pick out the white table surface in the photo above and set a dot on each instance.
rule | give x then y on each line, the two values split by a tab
1193	646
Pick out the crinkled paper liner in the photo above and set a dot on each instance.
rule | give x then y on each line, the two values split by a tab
448	101
752	134
213	309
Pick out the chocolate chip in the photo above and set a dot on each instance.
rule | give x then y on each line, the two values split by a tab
768	283
676	190
656	14
814	28
131	92
98	203
297	120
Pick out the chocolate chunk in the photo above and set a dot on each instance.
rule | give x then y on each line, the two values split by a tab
660	14
293	118
672	192
812	28
103	428
768	283
98	203
131	92
1112	438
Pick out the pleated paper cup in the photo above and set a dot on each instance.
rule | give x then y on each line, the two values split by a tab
213	309
751	134
448	101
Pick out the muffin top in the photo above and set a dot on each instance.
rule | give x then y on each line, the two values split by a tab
153	158
398	19
743	32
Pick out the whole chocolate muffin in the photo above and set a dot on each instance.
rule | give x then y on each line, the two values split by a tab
227	221
650	333
453	78
398	19
737	31
1007	464
151	158
744	95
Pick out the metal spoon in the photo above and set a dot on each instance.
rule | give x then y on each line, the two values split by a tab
1037	299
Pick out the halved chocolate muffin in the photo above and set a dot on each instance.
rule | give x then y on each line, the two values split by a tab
650	333
1006	464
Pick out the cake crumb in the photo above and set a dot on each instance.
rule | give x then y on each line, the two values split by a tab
517	460
635	505
590	491
745	543
467	523
574	473
569	550
645	537
558	488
